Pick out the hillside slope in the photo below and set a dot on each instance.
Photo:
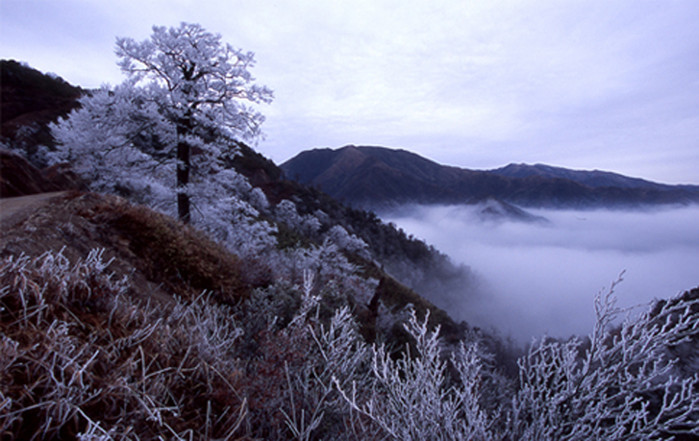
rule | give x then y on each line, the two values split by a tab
139	327
132	260
271	317
32	99
376	176
29	100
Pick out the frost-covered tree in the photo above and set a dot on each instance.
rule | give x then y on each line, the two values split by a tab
187	97
119	142
196	80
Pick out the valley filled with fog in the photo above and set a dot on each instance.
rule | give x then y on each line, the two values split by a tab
539	276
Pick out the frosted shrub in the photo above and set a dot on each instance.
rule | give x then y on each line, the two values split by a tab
338	354
235	224
293	354
38	347
286	212
80	358
349	242
79	284
333	272
258	199
620	385
208	329
411	397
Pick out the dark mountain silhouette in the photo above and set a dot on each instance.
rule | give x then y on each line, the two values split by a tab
496	210
377	177
29	100
594	178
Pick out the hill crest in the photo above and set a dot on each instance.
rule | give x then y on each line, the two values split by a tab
378	176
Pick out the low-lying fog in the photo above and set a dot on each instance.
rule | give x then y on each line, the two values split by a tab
541	277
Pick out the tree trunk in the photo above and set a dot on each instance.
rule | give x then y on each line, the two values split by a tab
183	168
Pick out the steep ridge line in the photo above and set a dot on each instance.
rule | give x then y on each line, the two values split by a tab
379	177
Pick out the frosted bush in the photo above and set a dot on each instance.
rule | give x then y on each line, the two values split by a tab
411	398
81	357
349	242
251	372
620	385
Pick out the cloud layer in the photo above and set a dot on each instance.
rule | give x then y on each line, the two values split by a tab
541	278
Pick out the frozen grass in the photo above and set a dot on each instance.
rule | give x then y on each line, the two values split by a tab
81	357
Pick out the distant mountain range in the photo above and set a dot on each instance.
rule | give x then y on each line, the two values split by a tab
377	177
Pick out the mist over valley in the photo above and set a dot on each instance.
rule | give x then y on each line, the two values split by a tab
536	242
540	277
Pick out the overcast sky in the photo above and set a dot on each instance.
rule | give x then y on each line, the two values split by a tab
606	84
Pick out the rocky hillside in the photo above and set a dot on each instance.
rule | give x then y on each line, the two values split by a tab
376	177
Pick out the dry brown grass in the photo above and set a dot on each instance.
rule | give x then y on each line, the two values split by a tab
160	255
81	356
177	254
84	351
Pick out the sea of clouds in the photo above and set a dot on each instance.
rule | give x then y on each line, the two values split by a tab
540	278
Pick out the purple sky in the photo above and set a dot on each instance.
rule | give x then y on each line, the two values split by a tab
606	84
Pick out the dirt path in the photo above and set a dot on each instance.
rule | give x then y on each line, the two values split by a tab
13	210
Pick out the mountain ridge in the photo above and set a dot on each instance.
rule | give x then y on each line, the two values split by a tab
592	178
371	176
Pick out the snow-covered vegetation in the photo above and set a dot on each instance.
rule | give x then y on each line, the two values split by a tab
316	346
82	358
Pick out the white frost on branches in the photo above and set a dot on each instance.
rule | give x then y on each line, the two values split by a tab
196	75
620	385
411	398
346	241
117	141
172	123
